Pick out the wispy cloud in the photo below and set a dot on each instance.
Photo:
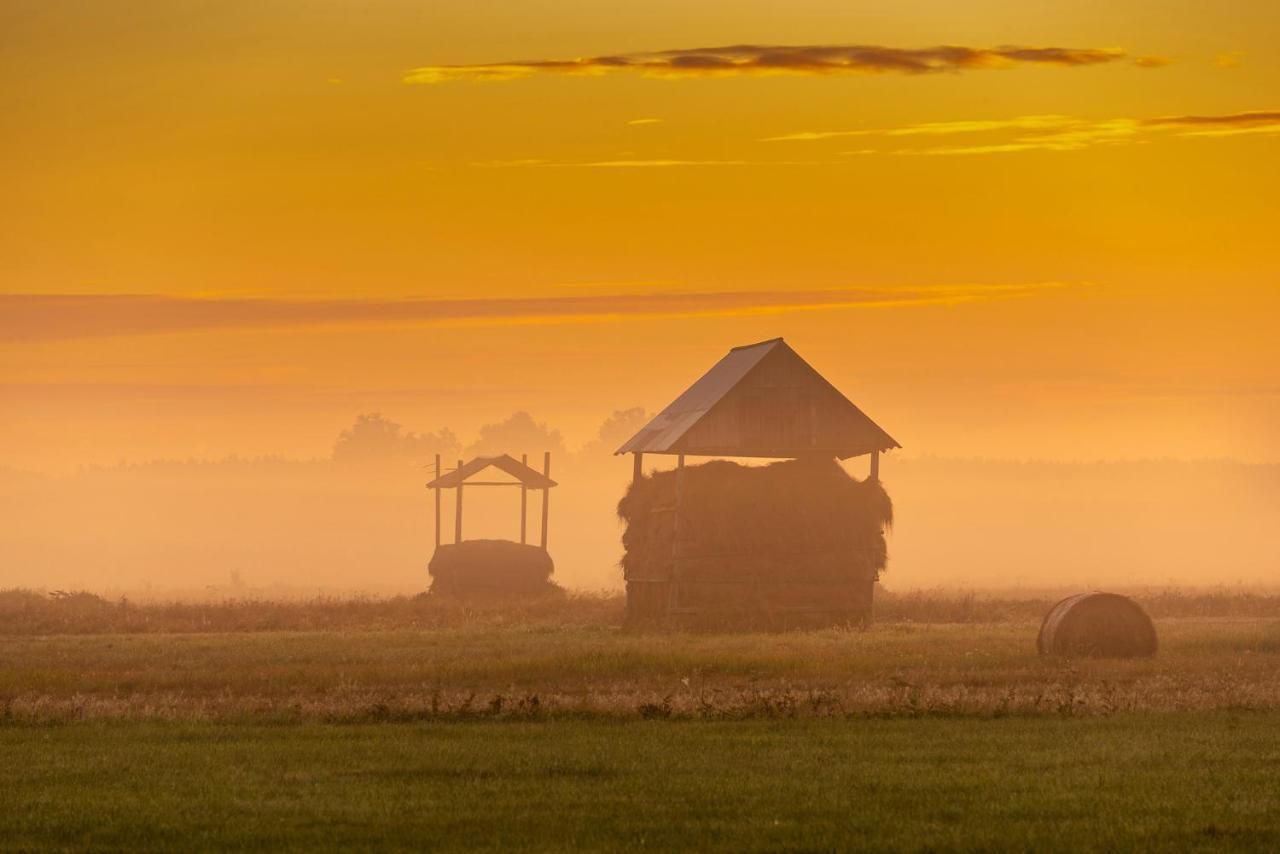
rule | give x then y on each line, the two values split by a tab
994	148
936	128
750	59
43	318
1047	132
1052	134
1229	124
510	164
645	122
649	164
992	136
639	163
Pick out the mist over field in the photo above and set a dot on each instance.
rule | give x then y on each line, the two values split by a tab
361	521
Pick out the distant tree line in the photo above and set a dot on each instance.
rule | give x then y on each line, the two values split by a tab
374	438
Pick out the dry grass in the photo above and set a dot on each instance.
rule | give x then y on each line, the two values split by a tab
30	612
27	612
944	606
532	666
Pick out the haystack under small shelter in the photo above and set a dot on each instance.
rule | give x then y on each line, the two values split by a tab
492	567
798	542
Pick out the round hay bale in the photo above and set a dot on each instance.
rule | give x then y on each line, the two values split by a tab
491	568
1100	625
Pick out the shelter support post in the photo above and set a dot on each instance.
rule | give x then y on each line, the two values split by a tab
875	466
546	496
457	514
437	491
637	468
524	505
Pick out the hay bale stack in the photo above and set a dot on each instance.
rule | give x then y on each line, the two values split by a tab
758	545
491	569
1100	625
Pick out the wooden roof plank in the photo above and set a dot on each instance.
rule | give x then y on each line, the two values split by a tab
532	478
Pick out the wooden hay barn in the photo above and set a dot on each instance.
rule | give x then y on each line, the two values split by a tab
795	543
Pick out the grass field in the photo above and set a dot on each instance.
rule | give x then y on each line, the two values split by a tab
1134	782
553	728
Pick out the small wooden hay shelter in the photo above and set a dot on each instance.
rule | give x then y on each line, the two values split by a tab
492	567
722	545
1099	625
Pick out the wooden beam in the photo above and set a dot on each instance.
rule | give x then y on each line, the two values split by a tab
437	492
637	469
679	493
672	604
524	505
457	513
546	496
875	466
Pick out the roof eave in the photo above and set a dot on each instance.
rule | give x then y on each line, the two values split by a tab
843	453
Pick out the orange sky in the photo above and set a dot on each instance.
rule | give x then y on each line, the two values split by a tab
1053	239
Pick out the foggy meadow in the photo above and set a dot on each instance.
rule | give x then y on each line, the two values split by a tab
359	521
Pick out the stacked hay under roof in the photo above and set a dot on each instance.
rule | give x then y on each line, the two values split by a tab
491	569
1101	625
793	537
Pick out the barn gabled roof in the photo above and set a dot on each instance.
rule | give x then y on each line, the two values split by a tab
666	428
531	478
664	434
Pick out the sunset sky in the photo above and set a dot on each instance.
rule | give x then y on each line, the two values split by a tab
1044	228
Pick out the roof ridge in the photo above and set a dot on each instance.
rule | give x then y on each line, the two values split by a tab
757	344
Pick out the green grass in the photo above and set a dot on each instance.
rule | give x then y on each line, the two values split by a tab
534	734
1131	782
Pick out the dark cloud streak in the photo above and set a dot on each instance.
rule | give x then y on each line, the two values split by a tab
753	59
1230	120
60	317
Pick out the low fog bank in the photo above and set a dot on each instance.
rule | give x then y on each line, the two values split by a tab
1050	526
362	520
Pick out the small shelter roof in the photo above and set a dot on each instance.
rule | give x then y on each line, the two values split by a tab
505	462
761	400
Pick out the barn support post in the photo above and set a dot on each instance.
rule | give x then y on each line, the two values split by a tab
874	477
524	505
457	512
675	522
437	492
546	496
637	468
675	534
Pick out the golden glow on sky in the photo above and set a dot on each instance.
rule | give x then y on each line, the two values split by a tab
1053	237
